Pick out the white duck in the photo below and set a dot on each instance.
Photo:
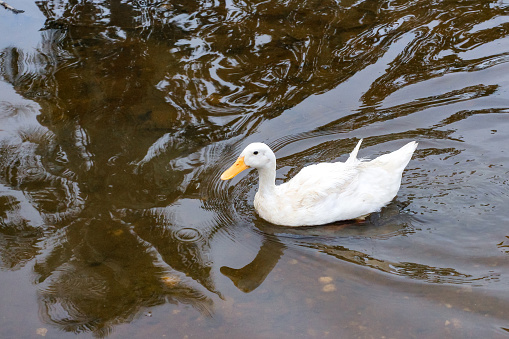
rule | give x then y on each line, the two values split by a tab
325	192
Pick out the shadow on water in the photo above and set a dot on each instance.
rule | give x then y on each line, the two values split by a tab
109	168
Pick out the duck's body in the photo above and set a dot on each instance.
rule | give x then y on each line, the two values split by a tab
325	192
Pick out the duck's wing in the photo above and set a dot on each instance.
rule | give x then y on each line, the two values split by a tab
376	181
319	182
325	178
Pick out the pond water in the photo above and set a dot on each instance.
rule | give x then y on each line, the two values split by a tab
118	117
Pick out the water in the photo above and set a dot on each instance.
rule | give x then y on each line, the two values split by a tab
117	119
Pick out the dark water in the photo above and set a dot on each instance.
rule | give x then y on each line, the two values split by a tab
117	119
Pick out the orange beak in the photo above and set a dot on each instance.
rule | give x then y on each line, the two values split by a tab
235	169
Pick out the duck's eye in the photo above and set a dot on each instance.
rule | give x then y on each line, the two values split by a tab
255	152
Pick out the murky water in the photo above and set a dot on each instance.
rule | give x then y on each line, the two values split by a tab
117	119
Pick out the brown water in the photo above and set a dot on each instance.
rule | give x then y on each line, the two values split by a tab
117	119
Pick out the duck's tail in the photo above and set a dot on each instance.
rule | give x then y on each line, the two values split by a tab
397	160
353	155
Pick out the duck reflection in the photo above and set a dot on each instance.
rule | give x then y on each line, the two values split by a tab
329	239
277	238
249	277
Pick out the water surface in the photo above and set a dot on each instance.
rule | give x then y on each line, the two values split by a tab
117	119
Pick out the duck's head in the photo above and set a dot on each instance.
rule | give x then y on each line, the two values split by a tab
256	155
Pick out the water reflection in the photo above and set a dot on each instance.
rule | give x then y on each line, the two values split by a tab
328	240
101	274
109	179
249	277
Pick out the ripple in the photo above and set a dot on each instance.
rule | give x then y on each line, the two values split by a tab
188	234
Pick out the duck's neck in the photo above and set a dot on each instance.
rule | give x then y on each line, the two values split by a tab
267	181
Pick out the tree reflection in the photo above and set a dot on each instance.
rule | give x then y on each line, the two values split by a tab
93	281
137	101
